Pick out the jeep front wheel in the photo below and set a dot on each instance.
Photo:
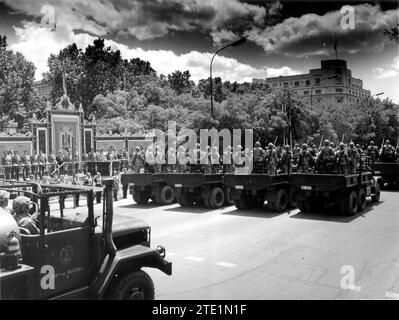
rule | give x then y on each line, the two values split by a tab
133	286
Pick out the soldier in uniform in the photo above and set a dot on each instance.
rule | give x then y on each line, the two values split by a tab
388	152
51	160
352	158
7	165
181	160
295	157
271	159
259	155
286	159
25	162
372	152
325	159
34	164
228	165
16	165
24	220
342	159
305	160
159	159
137	160
42	161
150	159
60	161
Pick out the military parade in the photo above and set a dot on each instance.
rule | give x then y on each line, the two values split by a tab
130	171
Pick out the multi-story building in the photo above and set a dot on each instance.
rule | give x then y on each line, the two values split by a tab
43	88
330	85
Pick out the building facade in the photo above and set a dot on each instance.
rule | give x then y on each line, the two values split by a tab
43	88
332	84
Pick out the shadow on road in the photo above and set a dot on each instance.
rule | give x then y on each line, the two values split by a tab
262	212
148	205
195	209
330	214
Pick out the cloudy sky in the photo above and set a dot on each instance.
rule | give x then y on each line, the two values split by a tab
284	37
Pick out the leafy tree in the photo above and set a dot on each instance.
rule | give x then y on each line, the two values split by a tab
17	98
180	81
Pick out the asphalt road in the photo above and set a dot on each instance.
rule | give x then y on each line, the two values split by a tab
257	254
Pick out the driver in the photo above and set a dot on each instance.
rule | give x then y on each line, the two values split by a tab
24	220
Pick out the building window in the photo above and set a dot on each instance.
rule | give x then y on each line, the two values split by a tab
306	93
339	99
296	83
318	91
307	82
338	90
285	84
317	81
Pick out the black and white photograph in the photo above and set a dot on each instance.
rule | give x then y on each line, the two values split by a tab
199	153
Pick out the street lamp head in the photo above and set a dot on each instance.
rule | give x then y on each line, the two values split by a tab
238	42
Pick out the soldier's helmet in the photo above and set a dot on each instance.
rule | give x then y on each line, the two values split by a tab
371	143
326	142
287	147
270	145
257	144
304	146
357	145
341	145
332	145
20	205
296	145
388	142
4	196
351	144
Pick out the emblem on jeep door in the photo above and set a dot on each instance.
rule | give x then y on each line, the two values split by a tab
66	255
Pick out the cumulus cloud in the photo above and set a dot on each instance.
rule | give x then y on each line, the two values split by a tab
150	19
313	34
388	72
37	43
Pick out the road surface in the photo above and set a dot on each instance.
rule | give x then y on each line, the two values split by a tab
257	254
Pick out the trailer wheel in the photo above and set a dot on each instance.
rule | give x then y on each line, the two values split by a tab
377	193
362	199
141	197
217	198
167	195
185	200
293	203
281	202
242	203
228	201
135	285
304	205
353	204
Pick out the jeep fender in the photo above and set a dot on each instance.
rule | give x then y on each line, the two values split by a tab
128	259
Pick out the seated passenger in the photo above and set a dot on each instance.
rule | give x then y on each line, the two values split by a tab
24	220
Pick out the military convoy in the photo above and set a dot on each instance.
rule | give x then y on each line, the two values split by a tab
248	191
145	186
75	255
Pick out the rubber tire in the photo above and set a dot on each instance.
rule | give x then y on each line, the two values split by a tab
185	200
377	193
228	201
243	203
121	286
292	202
352	204
216	199
141	197
305	205
281	203
362	200
167	195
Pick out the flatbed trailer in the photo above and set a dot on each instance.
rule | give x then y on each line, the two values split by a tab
145	186
207	189
347	192
387	172
248	191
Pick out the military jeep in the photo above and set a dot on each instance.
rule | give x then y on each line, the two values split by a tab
76	255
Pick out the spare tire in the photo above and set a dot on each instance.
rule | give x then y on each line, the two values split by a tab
7	225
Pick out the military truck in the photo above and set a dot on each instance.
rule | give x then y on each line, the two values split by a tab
145	186
387	173
252	190
348	193
75	255
199	188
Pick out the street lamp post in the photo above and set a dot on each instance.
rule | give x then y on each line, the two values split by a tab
233	44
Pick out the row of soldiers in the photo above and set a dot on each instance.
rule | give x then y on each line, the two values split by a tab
15	165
